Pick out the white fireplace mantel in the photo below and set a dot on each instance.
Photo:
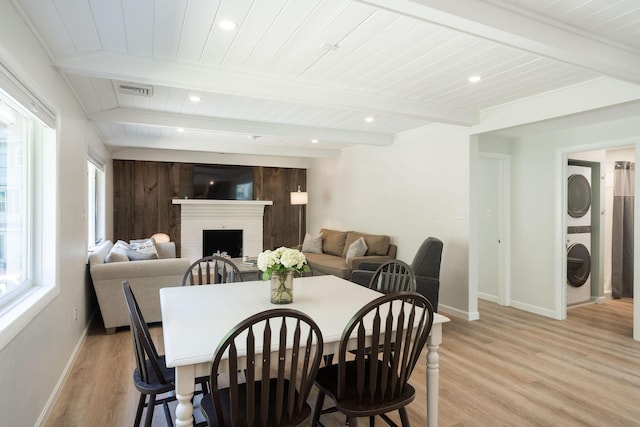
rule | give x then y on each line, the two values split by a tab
197	215
206	202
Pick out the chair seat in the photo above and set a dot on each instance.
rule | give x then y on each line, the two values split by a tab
350	403
154	385
210	415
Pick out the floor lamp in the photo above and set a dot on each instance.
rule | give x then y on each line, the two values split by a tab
299	198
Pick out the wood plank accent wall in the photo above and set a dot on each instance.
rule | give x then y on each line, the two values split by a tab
281	219
143	190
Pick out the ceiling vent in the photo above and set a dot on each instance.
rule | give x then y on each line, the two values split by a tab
135	89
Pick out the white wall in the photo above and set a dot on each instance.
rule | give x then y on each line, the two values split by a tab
410	191
533	210
34	361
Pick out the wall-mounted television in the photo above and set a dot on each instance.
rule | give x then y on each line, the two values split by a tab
222	182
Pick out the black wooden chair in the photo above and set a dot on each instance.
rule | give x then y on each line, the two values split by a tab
425	265
151	377
211	269
277	383
371	384
393	276
390	276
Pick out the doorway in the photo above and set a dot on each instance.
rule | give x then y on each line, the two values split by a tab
603	164
494	225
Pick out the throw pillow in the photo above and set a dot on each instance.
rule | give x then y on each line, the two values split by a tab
118	252
142	249
312	243
333	241
357	248
378	245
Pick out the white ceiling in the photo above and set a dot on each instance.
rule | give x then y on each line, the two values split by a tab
297	70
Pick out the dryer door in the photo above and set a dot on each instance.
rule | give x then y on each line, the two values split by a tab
578	264
579	196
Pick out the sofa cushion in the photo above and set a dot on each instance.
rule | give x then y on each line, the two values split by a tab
357	248
312	243
328	264
377	244
142	250
118	252
333	241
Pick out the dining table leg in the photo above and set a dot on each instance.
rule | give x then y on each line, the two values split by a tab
433	374
185	387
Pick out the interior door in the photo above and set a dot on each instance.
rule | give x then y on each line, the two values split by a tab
493	239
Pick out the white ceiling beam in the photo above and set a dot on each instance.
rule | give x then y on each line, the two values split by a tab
164	73
241	127
217	146
525	31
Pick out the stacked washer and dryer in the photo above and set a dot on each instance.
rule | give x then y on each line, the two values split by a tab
578	234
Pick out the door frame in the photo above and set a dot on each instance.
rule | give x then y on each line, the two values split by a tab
562	157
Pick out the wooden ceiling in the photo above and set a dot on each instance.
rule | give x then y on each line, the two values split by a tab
293	71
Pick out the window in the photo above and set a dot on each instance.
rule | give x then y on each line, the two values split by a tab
25	147
95	207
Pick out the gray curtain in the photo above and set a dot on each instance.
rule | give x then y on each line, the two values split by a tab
622	238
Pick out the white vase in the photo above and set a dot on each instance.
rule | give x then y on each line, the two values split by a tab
282	288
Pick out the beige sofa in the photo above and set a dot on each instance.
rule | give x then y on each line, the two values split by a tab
145	277
335	245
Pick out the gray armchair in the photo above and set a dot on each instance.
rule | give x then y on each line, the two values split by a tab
425	265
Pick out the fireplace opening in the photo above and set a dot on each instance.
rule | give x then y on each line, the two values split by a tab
229	241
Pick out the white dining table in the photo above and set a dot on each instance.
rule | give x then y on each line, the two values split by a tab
196	318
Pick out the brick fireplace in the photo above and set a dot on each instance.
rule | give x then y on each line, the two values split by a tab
199	215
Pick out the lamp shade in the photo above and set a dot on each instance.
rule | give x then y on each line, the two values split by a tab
299	198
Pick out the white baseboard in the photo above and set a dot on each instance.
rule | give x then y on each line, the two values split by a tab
65	373
445	310
488	297
533	309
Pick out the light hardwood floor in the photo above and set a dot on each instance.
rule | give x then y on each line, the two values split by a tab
510	368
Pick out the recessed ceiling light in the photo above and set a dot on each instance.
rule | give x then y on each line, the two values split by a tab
475	79
368	119
180	129
314	141
227	25
194	98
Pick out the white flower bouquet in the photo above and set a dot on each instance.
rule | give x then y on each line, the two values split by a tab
282	260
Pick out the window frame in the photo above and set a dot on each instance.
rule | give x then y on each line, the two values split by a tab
96	208
19	308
